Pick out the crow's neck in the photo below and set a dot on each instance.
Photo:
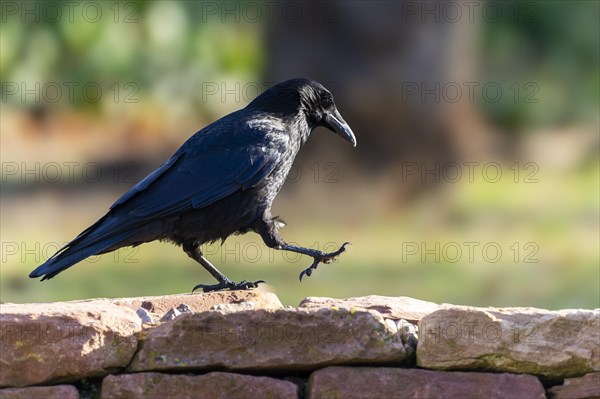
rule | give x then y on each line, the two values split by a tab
300	128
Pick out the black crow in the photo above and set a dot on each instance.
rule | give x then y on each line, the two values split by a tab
222	181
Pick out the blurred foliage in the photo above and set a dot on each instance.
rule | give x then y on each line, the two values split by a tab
553	45
158	45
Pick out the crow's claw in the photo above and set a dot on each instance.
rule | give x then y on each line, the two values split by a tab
327	258
230	285
307	272
245	285
323	258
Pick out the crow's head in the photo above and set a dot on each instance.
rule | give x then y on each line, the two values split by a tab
309	99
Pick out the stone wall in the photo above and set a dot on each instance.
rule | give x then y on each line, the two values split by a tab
247	345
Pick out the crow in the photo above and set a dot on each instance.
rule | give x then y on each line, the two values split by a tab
221	181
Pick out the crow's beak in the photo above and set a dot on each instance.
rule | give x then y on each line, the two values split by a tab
336	123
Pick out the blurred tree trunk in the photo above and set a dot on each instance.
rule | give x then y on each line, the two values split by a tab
370	55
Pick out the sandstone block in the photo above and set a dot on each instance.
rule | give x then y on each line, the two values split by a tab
65	341
291	339
398	383
215	385
551	344
51	392
586	387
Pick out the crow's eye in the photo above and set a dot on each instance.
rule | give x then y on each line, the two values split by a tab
327	102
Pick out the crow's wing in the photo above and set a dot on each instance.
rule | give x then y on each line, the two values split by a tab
207	172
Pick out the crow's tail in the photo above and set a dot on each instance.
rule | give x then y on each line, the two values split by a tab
97	239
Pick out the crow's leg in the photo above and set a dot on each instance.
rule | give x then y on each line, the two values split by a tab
268	231
194	252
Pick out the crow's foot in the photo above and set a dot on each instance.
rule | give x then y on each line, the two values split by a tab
228	285
322	258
